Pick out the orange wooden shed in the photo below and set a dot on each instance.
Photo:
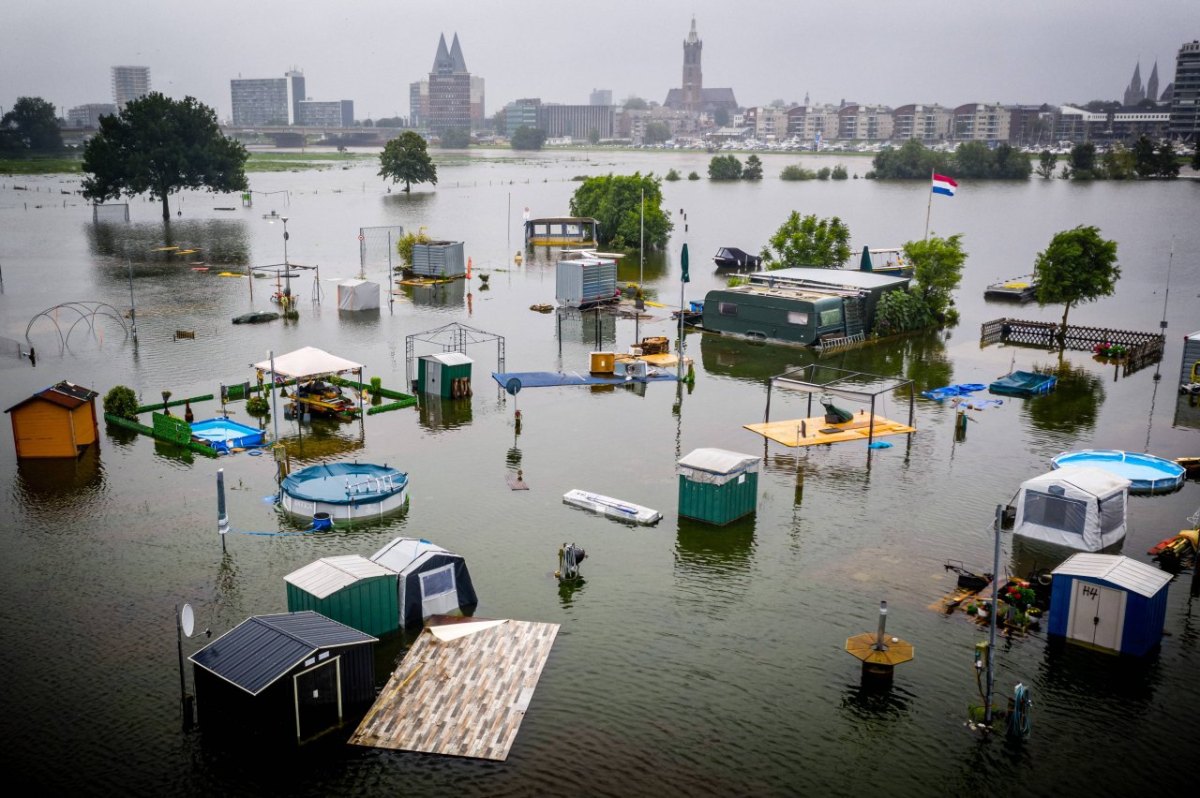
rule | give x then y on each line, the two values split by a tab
59	421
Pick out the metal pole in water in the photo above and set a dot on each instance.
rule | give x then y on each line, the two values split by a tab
991	658
274	403
184	704
132	306
222	515
879	644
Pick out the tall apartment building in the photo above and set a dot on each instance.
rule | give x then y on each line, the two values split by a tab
980	122
810	122
326	113
600	97
521	113
865	122
922	122
477	108
129	83
1185	93
267	101
449	91
418	103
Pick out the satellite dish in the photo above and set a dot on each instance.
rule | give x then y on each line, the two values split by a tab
187	620
513	386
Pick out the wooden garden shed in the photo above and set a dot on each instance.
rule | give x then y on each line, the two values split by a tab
59	421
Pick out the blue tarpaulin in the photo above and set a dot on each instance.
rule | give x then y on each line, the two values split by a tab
554	379
965	389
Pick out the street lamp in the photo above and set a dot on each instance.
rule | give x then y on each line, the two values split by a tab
287	271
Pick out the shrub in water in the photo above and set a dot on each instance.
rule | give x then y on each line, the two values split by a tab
122	402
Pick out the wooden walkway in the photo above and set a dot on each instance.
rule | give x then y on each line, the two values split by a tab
462	690
813	431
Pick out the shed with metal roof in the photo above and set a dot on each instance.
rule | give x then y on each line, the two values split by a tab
1109	602
350	589
291	676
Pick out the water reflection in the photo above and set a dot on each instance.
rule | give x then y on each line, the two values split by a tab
709	552
1187	411
1072	406
323	439
448	296
744	359
568	590
438	414
215	241
594	327
48	486
872	701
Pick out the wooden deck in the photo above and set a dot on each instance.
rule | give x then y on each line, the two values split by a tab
462	690
812	431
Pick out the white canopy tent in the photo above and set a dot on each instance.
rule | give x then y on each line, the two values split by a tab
307	362
355	294
1079	507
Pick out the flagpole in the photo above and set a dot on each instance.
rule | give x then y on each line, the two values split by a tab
929	207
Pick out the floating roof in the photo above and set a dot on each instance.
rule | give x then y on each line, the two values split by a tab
827	278
257	652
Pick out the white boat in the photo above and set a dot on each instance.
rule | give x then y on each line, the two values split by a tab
613	508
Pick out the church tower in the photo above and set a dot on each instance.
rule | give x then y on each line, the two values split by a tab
1136	92
693	80
1152	84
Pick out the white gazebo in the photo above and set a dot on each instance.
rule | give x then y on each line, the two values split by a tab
308	364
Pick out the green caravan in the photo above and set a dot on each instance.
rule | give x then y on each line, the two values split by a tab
801	306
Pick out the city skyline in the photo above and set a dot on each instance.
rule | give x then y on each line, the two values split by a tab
927	51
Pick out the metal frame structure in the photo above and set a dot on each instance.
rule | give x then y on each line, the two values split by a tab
805	379
85	311
452	337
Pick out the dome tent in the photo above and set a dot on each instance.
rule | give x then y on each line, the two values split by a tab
432	580
1077	507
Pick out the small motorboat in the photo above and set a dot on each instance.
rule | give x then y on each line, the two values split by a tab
734	258
613	508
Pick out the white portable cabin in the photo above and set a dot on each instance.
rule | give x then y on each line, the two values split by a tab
354	294
1078	507
432	580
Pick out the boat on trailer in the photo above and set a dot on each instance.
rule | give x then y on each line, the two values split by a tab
613	508
1017	289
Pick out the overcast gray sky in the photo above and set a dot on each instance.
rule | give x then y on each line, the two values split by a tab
368	51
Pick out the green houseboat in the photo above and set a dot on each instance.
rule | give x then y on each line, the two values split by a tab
801	305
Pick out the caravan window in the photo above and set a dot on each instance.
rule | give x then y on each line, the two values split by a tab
796	317
831	317
727	308
1055	512
437	582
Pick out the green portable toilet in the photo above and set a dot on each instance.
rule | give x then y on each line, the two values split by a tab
440	373
349	589
717	486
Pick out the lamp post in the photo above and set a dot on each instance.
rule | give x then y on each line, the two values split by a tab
287	271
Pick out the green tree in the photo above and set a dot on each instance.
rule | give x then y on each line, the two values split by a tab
528	138
1011	164
1083	161
635	103
456	138
122	402
753	170
672	176
912	161
1046	163
1078	266
406	158
1119	163
724	167
900	312
1145	160
31	127
656	132
796	172
1168	164
974	160
839	173
615	202
693	176
593	136
824	172
808	241
937	269
158	145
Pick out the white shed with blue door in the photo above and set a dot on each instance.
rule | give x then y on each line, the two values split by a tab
1109	602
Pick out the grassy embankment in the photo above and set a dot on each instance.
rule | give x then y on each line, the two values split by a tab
258	162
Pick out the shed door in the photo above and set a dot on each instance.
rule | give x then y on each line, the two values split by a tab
1097	615
433	377
318	692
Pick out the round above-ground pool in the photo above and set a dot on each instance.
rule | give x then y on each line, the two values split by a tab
1145	472
345	491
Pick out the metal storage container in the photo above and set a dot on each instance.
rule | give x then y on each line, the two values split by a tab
437	373
586	281
717	486
439	259
349	589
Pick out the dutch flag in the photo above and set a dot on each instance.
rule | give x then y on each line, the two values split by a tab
944	185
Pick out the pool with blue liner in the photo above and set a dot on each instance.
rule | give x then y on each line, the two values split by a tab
1145	472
